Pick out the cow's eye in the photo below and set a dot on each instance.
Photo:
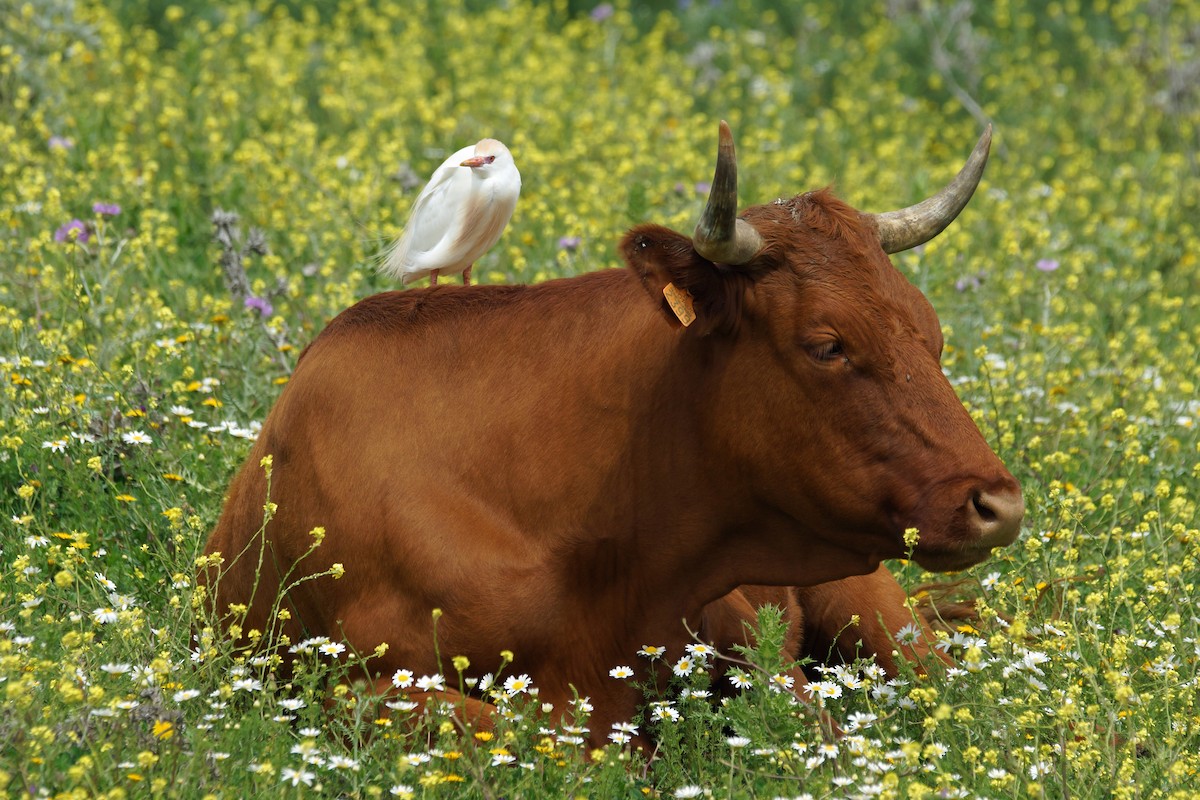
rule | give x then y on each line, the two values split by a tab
829	350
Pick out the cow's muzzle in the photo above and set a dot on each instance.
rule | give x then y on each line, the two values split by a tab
988	516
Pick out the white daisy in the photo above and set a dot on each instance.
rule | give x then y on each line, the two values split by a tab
331	648
434	683
104	616
684	666
516	684
296	776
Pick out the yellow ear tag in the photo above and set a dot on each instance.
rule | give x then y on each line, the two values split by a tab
680	301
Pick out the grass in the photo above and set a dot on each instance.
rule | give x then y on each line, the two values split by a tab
132	379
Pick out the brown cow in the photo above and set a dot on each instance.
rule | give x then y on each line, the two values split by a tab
567	472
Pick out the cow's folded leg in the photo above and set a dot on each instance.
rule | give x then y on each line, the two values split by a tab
881	607
733	620
471	713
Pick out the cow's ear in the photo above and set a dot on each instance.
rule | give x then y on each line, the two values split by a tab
691	291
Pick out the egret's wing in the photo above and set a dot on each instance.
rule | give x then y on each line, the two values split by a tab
484	218
432	215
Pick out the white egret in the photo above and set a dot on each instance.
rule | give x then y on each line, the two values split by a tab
458	216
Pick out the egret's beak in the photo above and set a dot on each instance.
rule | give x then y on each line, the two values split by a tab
477	161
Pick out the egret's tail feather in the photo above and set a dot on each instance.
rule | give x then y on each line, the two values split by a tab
395	259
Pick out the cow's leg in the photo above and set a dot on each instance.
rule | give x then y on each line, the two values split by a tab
467	275
733	619
882	610
472	713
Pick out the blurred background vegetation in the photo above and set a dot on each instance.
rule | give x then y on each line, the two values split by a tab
1069	290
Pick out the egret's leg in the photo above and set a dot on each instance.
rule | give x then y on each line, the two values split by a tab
433	277
467	275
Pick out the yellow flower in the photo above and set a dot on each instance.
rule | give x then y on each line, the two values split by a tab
70	691
163	730
73	639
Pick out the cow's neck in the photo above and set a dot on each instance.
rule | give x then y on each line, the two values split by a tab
652	539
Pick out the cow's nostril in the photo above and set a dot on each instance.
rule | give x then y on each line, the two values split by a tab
981	508
997	515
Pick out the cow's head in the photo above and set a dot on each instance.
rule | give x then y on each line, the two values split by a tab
831	400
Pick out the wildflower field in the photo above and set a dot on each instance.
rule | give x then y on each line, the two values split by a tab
187	196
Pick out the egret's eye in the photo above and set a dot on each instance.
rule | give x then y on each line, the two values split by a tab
489	159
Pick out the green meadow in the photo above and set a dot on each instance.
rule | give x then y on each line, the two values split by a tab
141	344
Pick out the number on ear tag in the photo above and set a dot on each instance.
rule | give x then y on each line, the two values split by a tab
680	301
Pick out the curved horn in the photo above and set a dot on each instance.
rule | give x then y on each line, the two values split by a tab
720	236
917	224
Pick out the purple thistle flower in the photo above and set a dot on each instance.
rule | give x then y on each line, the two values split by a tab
260	304
63	234
569	243
602	12
1047	264
703	187
107	209
60	143
967	282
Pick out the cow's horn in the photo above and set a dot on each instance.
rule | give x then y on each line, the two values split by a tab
909	227
721	237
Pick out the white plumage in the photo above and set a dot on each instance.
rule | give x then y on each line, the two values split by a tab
458	216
